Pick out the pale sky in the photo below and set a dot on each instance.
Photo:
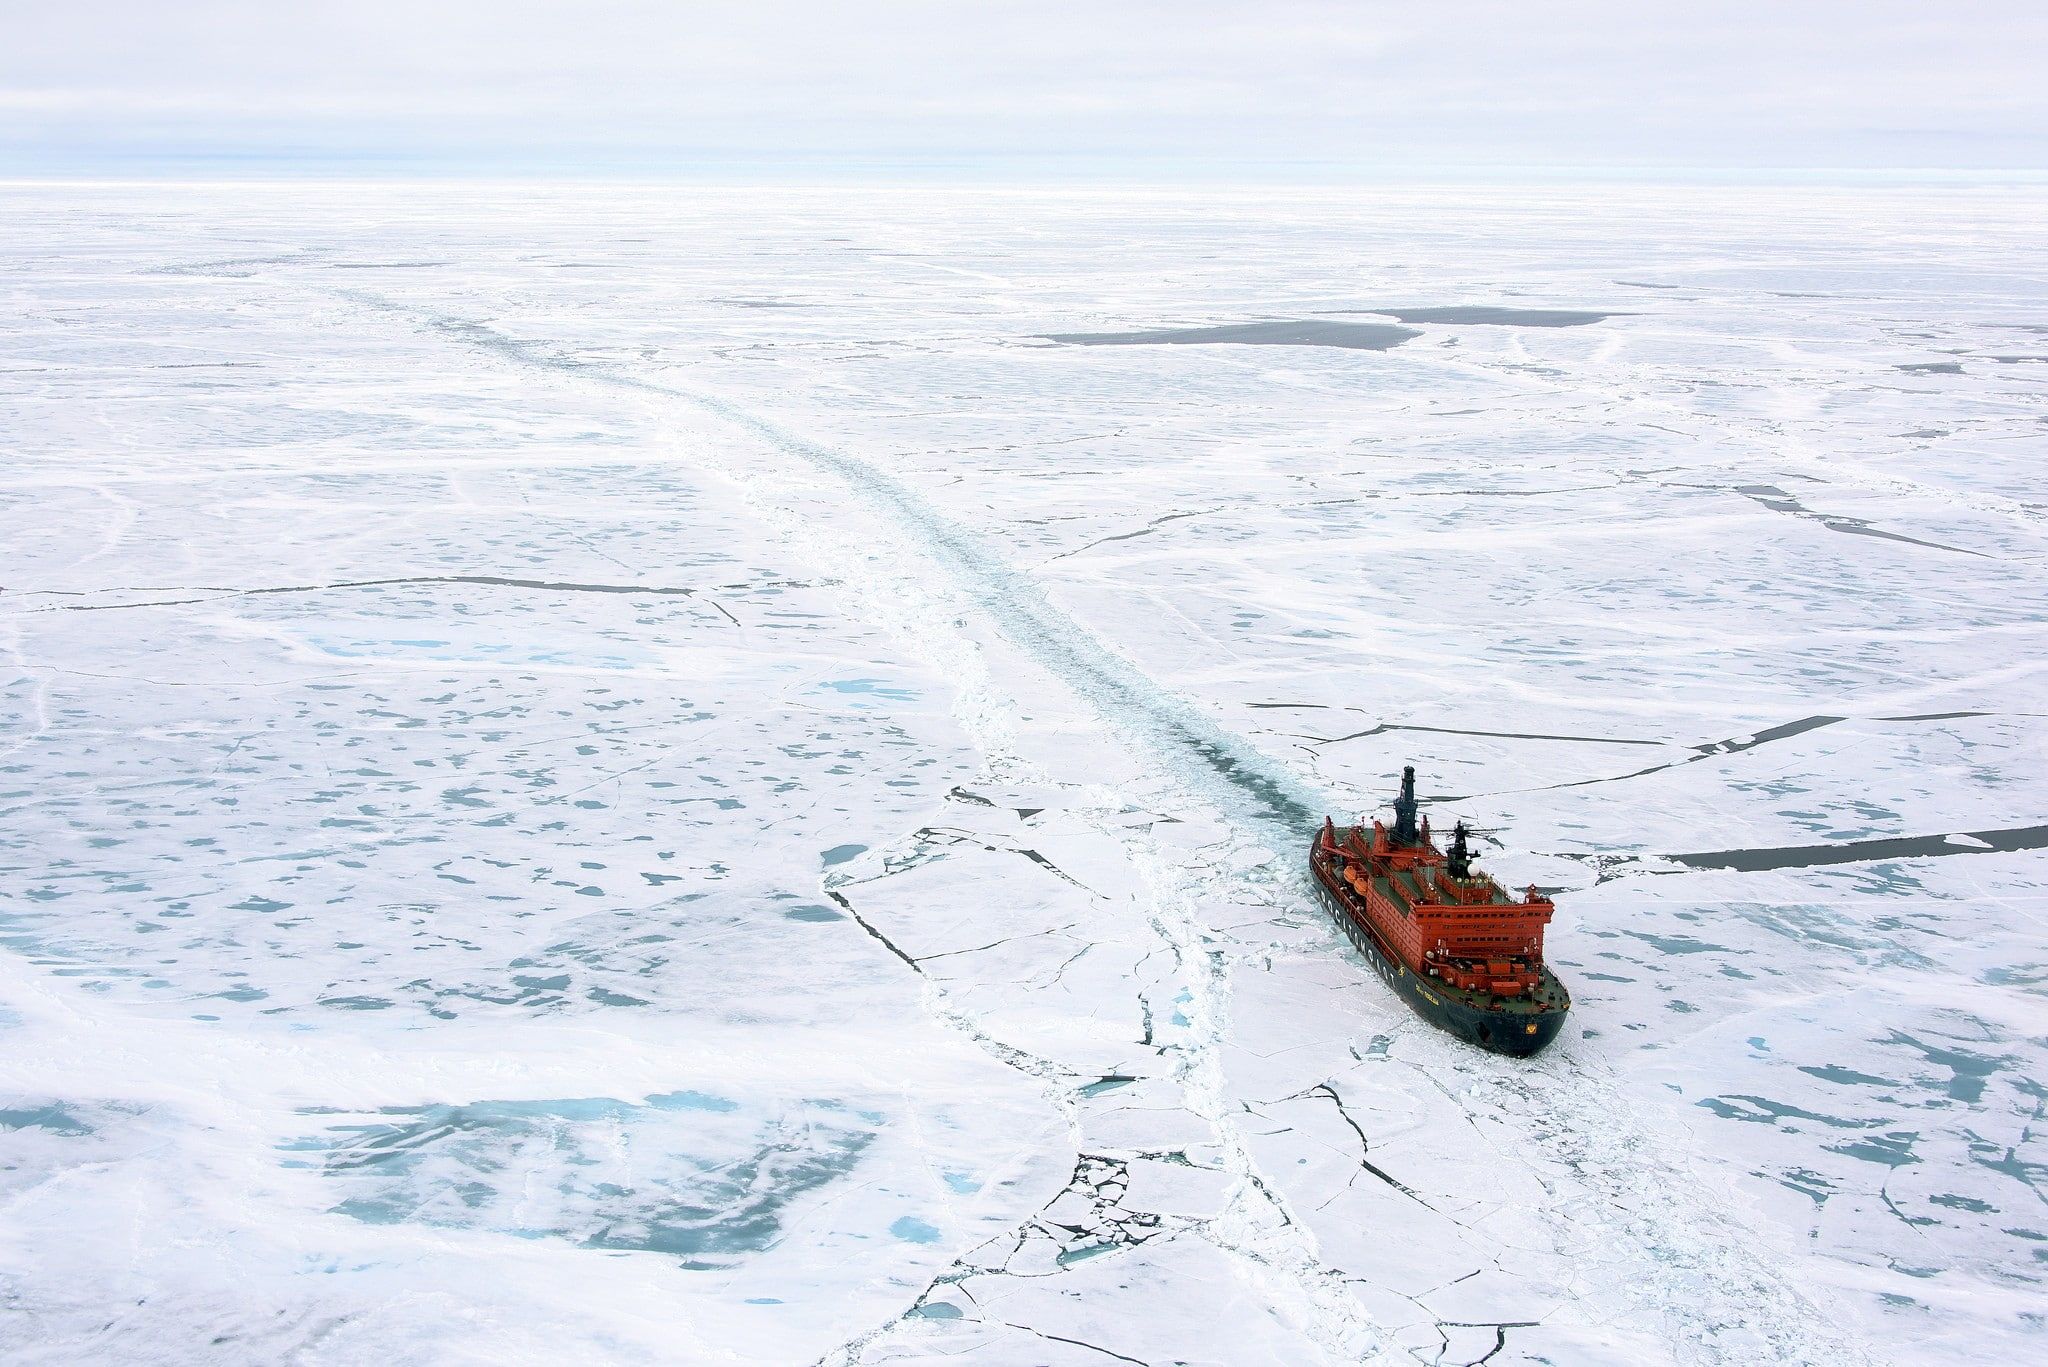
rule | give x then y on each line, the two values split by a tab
1148	88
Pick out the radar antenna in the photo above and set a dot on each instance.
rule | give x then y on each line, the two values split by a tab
1458	860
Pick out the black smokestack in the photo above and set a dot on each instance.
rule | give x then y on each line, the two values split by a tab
1405	832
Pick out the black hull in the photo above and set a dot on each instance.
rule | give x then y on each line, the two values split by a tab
1517	1034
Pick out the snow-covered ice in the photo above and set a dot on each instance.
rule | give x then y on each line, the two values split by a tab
619	774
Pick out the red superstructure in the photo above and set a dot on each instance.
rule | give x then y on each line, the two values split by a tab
1462	931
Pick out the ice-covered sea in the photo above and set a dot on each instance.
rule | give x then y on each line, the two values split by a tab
720	776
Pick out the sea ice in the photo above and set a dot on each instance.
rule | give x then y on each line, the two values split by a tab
636	774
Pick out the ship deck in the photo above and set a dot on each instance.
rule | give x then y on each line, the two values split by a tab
1549	996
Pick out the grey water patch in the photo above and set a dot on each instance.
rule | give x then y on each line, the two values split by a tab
1778	501
1931	368
1844	1077
555	980
1784	731
2006	1161
1969	1071
2028	977
813	912
1148	529
1385	727
54	1118
1678	944
1764	1111
1493	315
1354	336
1245	782
606	997
1957	1201
1893	1150
1859	851
688	1174
1807	1183
1704	751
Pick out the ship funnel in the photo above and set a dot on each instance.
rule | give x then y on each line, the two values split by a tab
1405	832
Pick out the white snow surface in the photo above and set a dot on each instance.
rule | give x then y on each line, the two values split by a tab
608	774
